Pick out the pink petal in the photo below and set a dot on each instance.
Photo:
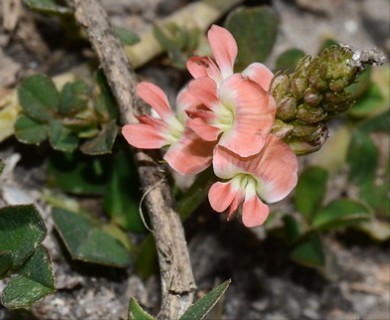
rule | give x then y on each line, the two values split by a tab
203	129
200	67
197	66
153	122
205	90
143	136
260	74
224	49
221	195
239	197
245	145
226	164
254	115
185	100
276	170
155	97
254	212
190	155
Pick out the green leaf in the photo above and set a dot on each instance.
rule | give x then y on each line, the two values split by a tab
292	229
5	262
21	231
38	97
196	194
49	6
33	281
327	43
73	97
310	191
28	130
126	36
310	251
340	213
203	306
122	196
371	103
77	173
103	142
147	261
380	122
2	165
178	42
360	86
255	31
86	241
137	313
377	195
362	158
105	102
288	59
61	138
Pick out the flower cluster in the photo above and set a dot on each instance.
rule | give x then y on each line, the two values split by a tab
223	119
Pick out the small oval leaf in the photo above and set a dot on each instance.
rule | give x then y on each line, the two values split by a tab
85	241
340	213
38	97
255	31
288	59
21	231
103	142
310	251
61	138
310	191
33	281
28	130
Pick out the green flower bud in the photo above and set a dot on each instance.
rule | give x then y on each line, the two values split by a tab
281	129
309	115
314	92
298	87
312	97
286	109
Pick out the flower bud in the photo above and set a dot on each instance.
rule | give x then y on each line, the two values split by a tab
286	109
281	129
314	92
312	97
309	115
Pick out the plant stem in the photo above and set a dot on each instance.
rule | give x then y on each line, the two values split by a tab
177	280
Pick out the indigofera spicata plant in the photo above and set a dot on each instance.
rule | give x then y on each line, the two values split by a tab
237	126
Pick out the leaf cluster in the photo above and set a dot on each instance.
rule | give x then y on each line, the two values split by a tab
76	116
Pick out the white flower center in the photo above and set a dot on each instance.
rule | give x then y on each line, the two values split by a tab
175	130
225	116
245	182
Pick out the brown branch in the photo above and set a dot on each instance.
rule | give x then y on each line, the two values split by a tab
177	280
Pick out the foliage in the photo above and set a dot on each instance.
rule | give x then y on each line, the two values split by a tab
75	116
197	311
86	241
22	231
80	122
255	31
178	43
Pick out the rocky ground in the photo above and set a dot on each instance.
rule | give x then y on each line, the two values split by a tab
266	284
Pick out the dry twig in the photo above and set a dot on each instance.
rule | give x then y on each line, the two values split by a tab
177	280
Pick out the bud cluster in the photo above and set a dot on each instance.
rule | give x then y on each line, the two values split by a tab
312	94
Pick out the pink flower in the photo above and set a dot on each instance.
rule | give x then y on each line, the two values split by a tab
224	49
269	175
186	153
238	114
